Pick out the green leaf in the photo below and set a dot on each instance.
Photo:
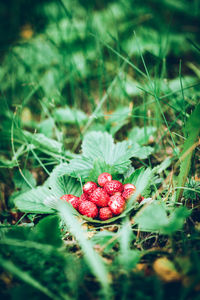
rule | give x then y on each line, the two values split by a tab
64	185
177	219
33	201
101	145
128	260
4	162
116	120
154	217
106	239
80	167
40	141
134	176
26	277
151	180
98	145
139	152
47	231
192	130
47	145
46	127
69	115
99	167
19	181
163	166
141	135
125	86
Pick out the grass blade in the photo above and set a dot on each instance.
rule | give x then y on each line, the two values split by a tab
94	261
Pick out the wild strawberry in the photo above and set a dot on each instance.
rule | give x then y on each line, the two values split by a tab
113	186
129	186
103	178
105	213
116	204
99	197
89	209
127	193
84	197
71	199
89	187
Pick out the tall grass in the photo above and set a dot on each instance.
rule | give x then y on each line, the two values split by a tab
94	62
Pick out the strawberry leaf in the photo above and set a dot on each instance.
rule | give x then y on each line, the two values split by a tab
154	217
101	145
34	201
100	154
80	167
99	167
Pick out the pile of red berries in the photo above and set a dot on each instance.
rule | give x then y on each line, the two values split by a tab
104	201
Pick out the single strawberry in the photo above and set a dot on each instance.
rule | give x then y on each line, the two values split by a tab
113	186
127	193
89	209
89	187
99	197
71	199
105	213
103	178
116	204
129	186
84	197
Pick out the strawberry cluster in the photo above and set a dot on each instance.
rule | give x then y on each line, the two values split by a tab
104	201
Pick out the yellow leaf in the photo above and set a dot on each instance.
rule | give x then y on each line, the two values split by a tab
165	269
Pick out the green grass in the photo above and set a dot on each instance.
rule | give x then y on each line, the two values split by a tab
101	86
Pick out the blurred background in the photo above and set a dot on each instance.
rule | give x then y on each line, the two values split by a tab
60	58
130	68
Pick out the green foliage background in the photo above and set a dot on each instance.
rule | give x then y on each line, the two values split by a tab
93	86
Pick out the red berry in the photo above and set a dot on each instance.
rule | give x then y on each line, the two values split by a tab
71	199
113	187
99	197
89	187
103	178
127	193
84	197
129	186
116	204
89	209
105	213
